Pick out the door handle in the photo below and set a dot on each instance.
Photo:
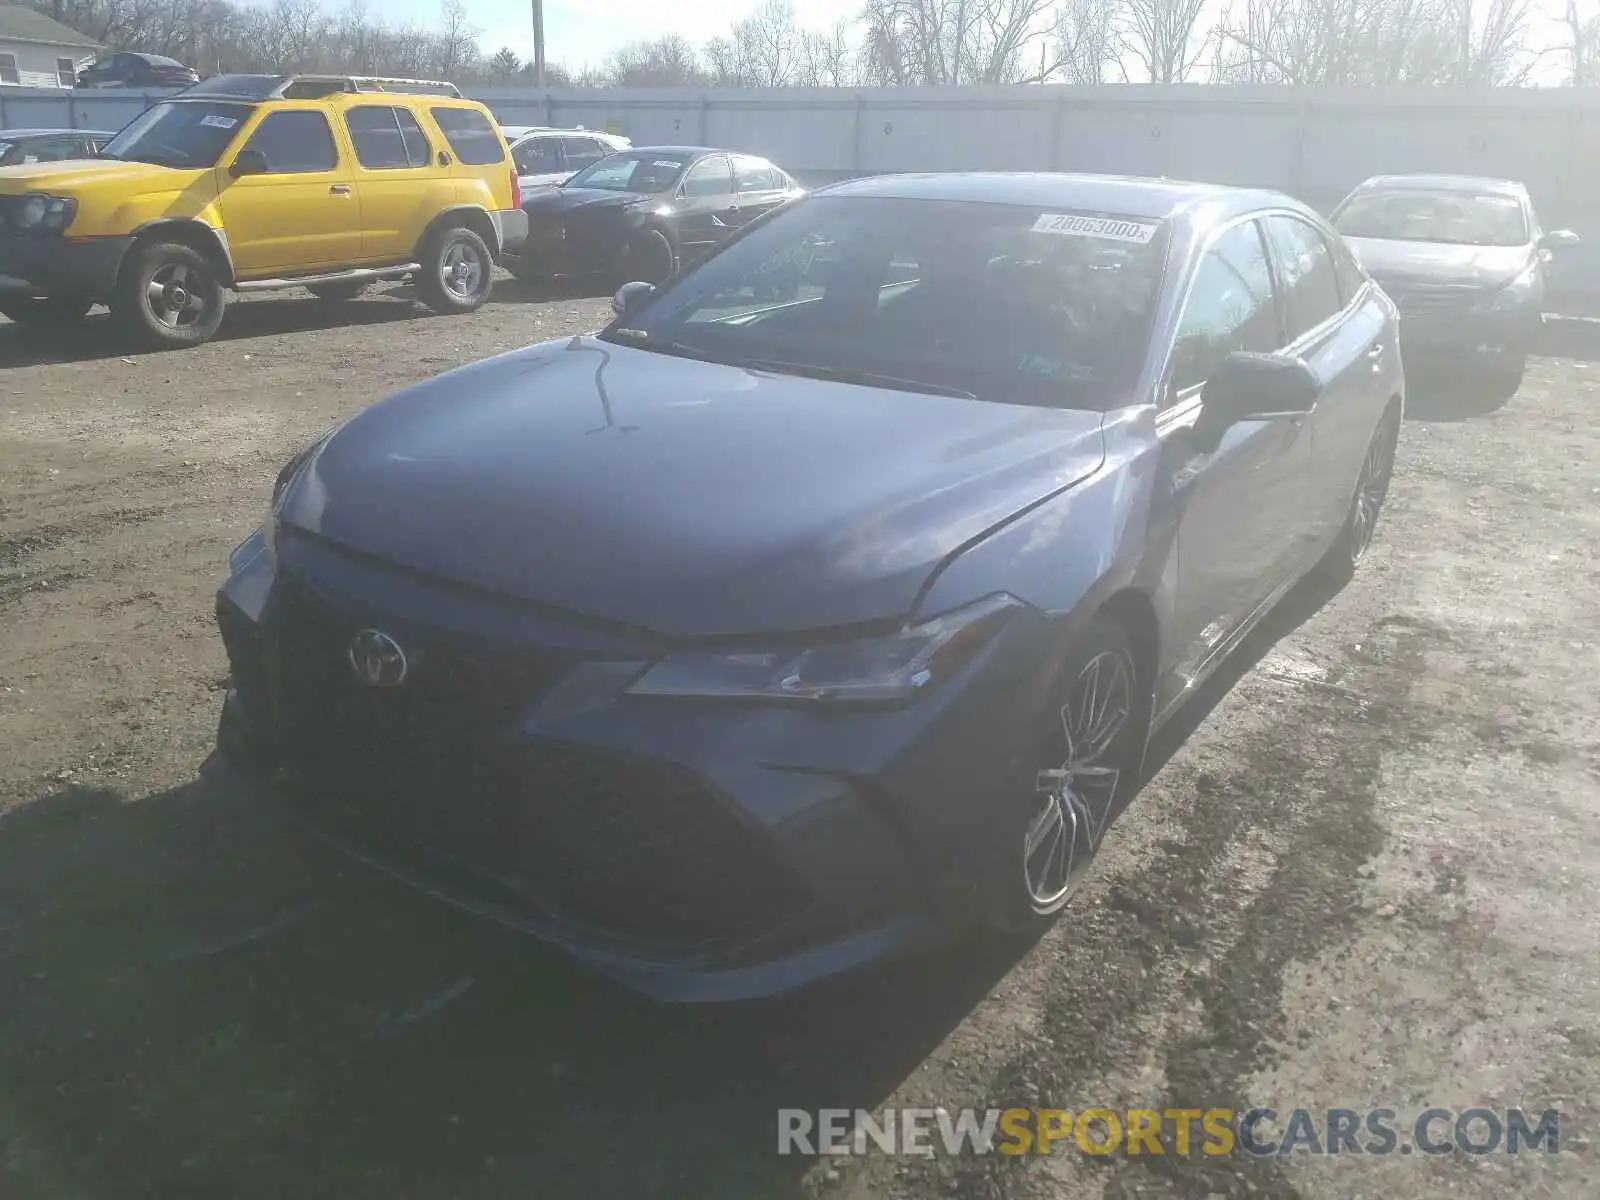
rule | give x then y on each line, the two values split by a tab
339	189
1375	351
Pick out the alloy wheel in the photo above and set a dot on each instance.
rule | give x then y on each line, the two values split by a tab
177	297
462	270
1077	794
1371	490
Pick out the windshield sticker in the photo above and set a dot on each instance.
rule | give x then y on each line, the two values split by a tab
5	148
213	121
665	162
1117	228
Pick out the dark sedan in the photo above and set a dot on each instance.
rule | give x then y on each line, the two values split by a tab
1464	258
19	147
748	641
130	69
643	213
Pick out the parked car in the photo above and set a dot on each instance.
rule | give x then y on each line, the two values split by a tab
255	183
1464	258
21	147
546	157
130	69
640	213
744	643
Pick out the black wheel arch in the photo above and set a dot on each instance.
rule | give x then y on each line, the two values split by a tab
470	216
197	235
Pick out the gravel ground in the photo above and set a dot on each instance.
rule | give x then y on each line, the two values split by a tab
1366	876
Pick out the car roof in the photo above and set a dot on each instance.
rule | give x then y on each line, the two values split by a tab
17	135
1449	183
1152	199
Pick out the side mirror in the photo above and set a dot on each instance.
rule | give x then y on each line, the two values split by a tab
630	296
1557	239
1247	387
248	162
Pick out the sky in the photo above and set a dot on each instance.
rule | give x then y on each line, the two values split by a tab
579	33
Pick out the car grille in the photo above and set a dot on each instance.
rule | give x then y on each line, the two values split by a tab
639	849
1427	300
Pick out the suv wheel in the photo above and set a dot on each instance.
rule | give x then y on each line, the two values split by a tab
45	311
168	295
457	271
347	289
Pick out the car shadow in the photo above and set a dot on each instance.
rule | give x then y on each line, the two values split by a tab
1448	396
1576	339
292	312
511	290
202	1002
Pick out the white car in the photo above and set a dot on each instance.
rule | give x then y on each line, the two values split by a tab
546	157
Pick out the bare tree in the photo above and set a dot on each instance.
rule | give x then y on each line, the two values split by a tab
952	41
668	61
1165	37
1086	41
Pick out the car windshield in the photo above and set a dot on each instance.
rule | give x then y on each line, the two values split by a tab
190	134
1452	217
646	173
999	302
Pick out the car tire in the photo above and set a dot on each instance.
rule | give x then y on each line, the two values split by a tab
45	312
651	257
168	296
1505	378
1361	522
457	271
345	289
1082	767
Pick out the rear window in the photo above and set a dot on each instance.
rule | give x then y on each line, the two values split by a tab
386	138
475	141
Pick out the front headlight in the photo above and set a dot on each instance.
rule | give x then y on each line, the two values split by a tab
1514	295
889	667
39	211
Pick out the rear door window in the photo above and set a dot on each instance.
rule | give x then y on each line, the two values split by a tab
1305	269
582	151
381	140
475	141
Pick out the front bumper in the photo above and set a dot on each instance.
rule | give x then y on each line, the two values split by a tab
596	246
1469	339
52	265
693	851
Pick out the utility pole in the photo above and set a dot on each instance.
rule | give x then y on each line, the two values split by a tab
538	43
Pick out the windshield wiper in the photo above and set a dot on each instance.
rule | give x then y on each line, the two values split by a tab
851	375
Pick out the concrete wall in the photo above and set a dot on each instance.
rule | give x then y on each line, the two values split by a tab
1315	144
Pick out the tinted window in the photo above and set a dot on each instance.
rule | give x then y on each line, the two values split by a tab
189	135
1002	301
8	69
708	177
417	149
1306	271
1418	215
753	175
1229	308
66	72
475	141
583	151
537	156
645	172
294	143
380	141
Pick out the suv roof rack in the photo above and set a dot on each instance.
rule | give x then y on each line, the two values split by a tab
308	87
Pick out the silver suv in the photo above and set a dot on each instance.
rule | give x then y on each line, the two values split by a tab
546	157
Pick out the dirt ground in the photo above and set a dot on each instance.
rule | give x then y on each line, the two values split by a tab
1365	875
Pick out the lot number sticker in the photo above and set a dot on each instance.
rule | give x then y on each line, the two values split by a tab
212	121
1116	228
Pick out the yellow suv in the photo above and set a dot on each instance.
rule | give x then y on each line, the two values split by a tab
258	182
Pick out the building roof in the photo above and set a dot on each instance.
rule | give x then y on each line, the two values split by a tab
18	24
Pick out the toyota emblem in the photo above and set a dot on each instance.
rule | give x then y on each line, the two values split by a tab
377	659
